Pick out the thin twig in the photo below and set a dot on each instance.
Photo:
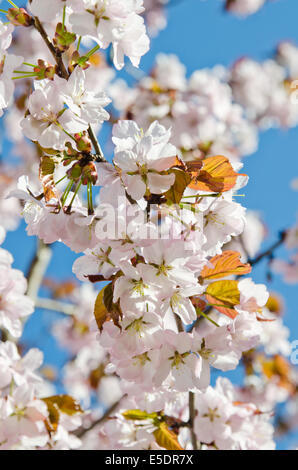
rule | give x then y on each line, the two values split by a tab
97	147
62	71
55	52
269	251
81	432
191	399
241	241
38	269
179	323
192	414
55	306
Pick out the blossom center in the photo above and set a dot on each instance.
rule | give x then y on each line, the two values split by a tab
212	414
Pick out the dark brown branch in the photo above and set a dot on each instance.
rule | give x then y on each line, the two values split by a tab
62	72
269	252
81	432
191	399
97	148
192	414
55	53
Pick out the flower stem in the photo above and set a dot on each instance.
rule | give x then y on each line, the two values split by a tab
73	197
89	198
90	53
200	312
61	179
23	71
30	75
65	132
66	192
63	18
13	4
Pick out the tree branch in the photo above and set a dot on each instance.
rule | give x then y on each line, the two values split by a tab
38	269
192	415
55	53
55	306
81	432
96	145
269	251
62	72
191	399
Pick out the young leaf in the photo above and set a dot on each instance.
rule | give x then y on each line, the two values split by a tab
65	404
60	404
138	415
212	174
166	438
105	309
182	180
224	295
100	311
54	416
46	176
226	264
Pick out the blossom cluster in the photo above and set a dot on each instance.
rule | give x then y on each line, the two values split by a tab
217	110
29	418
160	224
13	286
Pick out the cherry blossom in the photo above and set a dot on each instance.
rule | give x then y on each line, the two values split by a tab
142	157
13	288
143	188
114	22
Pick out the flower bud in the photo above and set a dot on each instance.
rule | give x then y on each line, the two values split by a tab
63	39
45	70
89	173
75	172
71	152
19	17
76	60
83	142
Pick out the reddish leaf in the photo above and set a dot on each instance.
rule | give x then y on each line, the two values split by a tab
46	176
212	174
166	438
105	309
175	193
59	404
226	264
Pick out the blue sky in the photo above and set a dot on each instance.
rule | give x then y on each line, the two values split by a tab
202	35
